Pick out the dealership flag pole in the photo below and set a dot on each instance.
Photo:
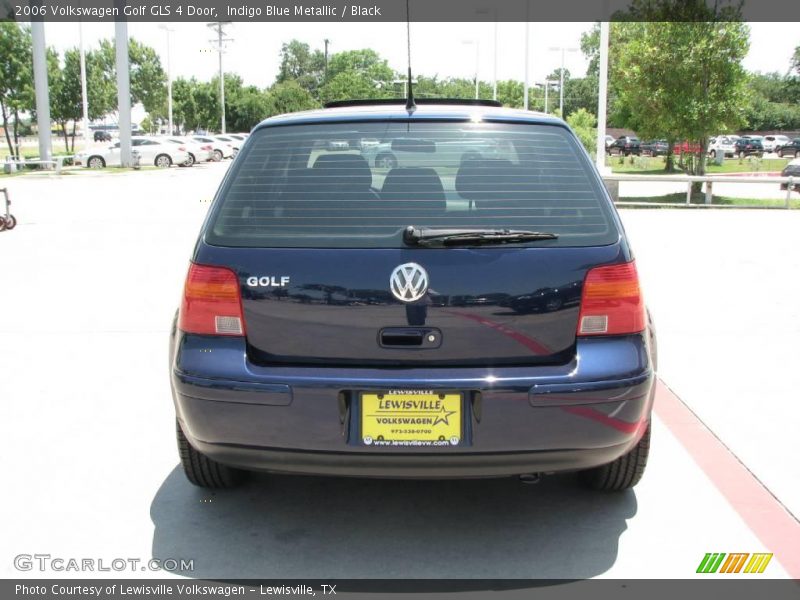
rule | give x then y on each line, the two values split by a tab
41	87
123	93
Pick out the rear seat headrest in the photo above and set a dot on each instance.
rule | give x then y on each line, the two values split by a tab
347	170
481	177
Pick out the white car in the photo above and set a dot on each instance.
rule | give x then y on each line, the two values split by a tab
773	142
198	151
234	143
219	150
722	144
151	151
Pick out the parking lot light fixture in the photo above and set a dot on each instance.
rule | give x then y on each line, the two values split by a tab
563	50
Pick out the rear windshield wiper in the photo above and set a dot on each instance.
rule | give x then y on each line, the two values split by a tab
427	236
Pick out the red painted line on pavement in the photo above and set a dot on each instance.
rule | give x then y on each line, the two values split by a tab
766	517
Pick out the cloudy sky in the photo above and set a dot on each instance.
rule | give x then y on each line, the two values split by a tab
437	48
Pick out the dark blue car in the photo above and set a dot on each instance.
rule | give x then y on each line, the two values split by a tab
344	318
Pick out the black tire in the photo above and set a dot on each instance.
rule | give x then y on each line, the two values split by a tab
2	223
217	156
10	222
623	473
163	161
797	153
712	154
386	161
203	471
96	162
189	161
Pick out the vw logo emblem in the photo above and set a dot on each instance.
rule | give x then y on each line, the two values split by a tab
409	282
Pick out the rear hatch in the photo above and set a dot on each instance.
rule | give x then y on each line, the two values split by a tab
315	236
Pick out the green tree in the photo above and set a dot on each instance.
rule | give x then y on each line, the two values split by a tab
65	92
16	79
365	64
584	124
301	64
683	79
287	97
148	79
346	85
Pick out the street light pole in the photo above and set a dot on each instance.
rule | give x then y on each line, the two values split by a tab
327	41
494	77
170	130
563	50
525	99
477	61
600	157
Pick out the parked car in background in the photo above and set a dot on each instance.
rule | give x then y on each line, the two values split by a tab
722	144
198	151
232	143
101	135
609	140
626	145
773	142
655	147
440	153
749	146
792	170
219	150
790	149
151	151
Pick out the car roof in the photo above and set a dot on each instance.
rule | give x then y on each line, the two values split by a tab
398	112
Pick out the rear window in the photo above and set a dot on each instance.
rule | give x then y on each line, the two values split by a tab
359	185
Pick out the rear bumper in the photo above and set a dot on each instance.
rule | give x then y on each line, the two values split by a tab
522	419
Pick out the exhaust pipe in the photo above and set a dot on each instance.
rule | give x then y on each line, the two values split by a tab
530	478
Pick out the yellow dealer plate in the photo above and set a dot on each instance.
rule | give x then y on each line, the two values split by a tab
411	418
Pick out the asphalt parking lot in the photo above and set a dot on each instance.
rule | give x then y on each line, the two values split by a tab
90	280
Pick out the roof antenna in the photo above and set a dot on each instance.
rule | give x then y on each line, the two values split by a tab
410	104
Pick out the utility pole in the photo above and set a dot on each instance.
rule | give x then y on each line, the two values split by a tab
170	131
219	26
84	97
42	90
327	41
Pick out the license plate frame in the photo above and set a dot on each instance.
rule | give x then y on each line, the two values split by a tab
365	405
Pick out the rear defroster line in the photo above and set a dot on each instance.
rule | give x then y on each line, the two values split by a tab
762	512
531	344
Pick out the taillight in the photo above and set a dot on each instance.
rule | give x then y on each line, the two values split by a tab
212	302
182	148
611	303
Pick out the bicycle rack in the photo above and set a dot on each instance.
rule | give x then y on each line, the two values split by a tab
7	220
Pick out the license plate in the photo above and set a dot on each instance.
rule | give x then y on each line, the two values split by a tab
409	418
